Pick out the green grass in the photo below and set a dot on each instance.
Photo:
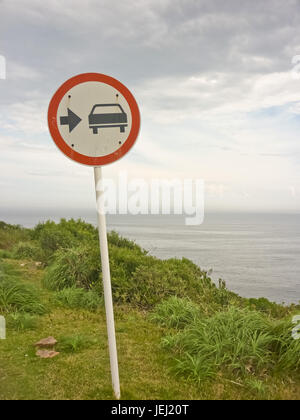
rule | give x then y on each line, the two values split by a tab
74	298
73	267
22	321
217	345
74	343
11	235
176	313
145	369
16	296
236	342
27	250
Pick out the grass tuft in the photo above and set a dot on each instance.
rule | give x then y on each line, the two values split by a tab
175	313
74	267
74	343
78	299
18	297
239	342
22	321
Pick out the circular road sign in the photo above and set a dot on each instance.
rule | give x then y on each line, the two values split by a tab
93	119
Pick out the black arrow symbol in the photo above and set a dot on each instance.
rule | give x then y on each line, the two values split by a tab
72	120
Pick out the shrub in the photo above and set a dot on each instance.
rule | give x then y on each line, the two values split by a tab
145	287
127	259
53	239
115	239
28	250
270	308
12	234
74	267
78	298
137	278
285	347
154	280
63	235
4	253
77	229
15	296
238	341
176	312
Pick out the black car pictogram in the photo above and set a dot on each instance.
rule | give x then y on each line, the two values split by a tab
107	115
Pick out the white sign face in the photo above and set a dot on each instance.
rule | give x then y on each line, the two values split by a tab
94	119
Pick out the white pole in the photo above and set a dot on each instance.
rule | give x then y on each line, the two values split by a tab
107	284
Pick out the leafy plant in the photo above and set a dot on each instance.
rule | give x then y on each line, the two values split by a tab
256	385
78	298
115	239
74	343
15	296
73	267
4	253
270	308
28	250
12	234
176	312
237	341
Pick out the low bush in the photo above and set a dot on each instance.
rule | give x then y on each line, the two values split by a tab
286	348
53	239
238	342
176	313
73	267
270	308
66	234
125	261
12	234
4	253
137	278
15	296
154	280
72	252
115	239
78	299
27	250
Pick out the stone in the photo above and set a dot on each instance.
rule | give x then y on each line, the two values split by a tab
46	342
46	354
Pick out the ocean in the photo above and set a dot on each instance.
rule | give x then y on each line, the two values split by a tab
256	254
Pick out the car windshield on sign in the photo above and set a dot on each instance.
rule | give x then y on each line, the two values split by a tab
106	109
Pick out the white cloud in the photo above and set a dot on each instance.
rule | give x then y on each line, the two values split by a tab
207	76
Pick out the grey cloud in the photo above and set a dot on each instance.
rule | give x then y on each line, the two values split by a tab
136	41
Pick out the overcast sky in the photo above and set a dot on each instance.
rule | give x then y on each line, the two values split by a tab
217	89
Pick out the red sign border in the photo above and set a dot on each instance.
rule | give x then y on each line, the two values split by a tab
67	150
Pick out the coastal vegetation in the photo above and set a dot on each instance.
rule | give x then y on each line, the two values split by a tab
180	335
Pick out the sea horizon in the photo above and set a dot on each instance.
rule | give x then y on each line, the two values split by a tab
256	254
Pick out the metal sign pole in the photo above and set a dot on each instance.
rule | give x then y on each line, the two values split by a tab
107	283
